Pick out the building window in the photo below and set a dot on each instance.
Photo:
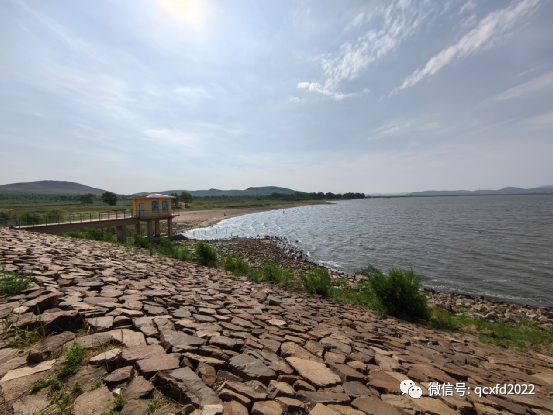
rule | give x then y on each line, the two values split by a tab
165	206
155	207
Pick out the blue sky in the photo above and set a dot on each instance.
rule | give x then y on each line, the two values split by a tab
146	95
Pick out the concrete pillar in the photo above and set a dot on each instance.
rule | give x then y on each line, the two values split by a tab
150	233
169	227
156	228
137	228
121	233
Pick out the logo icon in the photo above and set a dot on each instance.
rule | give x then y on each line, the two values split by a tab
408	387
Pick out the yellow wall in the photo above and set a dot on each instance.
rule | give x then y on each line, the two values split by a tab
148	205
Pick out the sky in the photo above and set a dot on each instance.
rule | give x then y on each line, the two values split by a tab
325	95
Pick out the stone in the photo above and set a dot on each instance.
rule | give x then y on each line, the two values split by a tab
207	373
291	405
301	385
345	410
321	409
277	389
228	395
347	373
355	389
179	342
372	405
96	339
151	365
329	344
43	303
226	343
384	383
154	310
44	349
234	408
323	397
253	390
184	386
128	338
266	408
87	376
291	349
28	370
250	368
61	321
118	376
94	402
182	313
31	404
138	388
212	409
432	406
109	358
196	359
315	373
135	407
100	324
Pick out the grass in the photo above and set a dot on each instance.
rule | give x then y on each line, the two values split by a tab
118	404
73	358
520	335
205	254
11	284
23	336
92	235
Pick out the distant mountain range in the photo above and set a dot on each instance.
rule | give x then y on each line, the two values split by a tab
250	191
55	187
504	191
52	187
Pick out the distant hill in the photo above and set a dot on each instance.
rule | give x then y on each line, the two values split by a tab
504	191
250	191
52	187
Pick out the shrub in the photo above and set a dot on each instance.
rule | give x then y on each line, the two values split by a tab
53	215
168	249
141	242
318	281
205	254
30	218
271	272
11	284
4	215
73	359
237	266
397	294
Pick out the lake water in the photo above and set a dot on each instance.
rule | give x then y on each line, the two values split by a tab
496	246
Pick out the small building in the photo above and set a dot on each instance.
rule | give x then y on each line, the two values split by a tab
153	208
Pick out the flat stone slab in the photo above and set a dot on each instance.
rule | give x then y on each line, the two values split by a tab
184	386
176	341
28	370
250	368
315	373
44	349
372	405
94	402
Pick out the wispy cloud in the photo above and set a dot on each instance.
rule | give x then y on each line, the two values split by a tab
491	27
175	139
543	83
400	20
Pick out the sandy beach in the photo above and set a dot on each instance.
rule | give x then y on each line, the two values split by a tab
202	218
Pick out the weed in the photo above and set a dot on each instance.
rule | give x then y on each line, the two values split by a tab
317	281
140	242
11	284
153	407
168	249
237	266
92	235
96	385
205	254
398	293
272	273
73	359
77	388
119	403
27	336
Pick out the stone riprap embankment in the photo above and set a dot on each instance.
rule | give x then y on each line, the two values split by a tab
212	343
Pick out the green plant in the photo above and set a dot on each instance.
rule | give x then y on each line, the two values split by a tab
397	294
237	266
4	215
271	272
73	359
205	254
317	281
153	407
30	218
11	284
119	403
170	250
96	385
141	242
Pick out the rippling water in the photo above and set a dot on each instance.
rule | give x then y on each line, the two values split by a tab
497	246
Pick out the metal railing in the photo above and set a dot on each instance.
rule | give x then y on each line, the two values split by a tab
38	220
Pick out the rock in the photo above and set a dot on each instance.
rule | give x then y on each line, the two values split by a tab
321	409
278	389
61	321
347	373
432	406
356	389
31	404
128	338
87	376
44	349
234	408
27	371
228	395
323	397
109	358
179	342
197	359
253	390
207	373
94	402
314	372
291	405
139	388
118	376
135	407
226	343
100	324
184	386
151	365
372	405
250	368
266	408
291	349
384	383
212	409
345	410
301	385
329	344
43	303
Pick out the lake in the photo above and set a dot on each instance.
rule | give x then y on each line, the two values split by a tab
496	246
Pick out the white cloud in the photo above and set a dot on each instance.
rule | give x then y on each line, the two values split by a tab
400	20
178	140
541	84
359	19
541	122
468	6
489	28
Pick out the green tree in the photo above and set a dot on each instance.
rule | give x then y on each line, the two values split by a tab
86	199
110	198
186	198
175	201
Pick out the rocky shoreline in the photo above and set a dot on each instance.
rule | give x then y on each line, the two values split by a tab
174	337
257	251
